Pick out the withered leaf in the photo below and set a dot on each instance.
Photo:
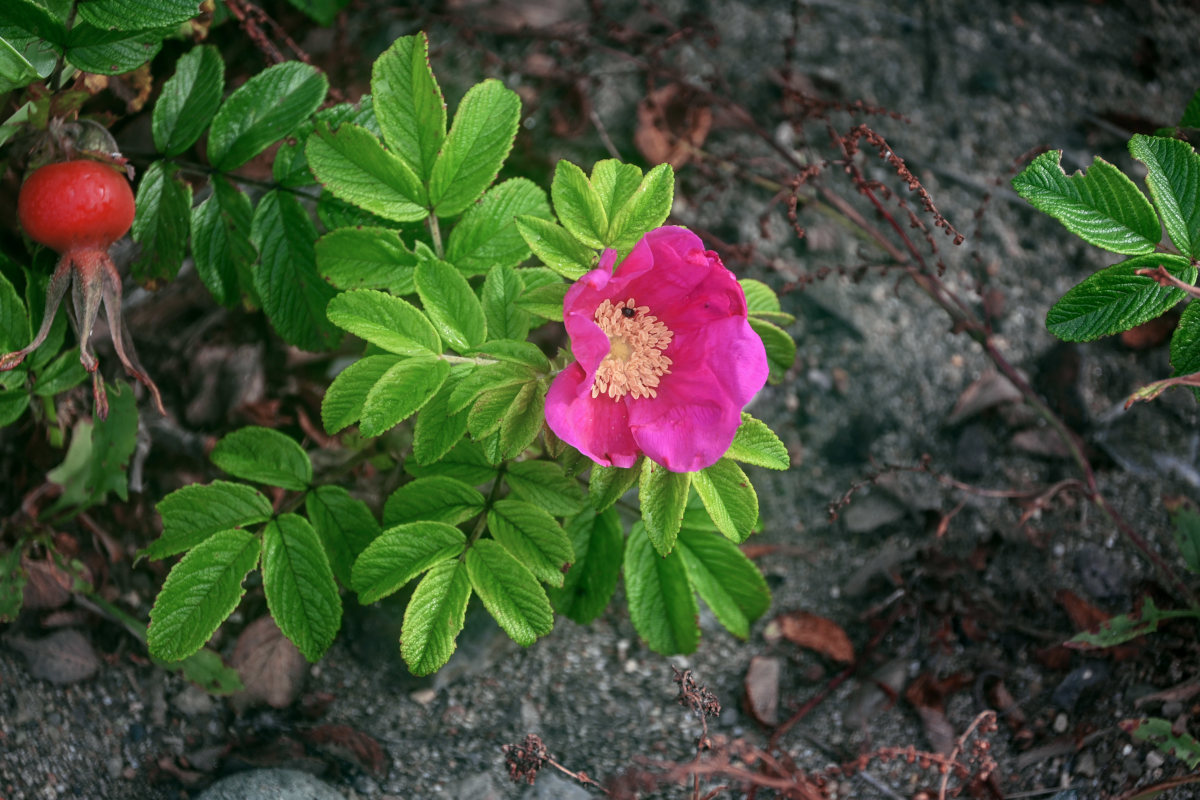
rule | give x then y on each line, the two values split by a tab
762	689
46	585
65	656
271	667
816	633
349	744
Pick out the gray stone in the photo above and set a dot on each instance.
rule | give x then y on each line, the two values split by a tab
551	786
270	784
480	786
193	701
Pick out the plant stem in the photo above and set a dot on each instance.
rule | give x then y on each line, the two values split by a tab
436	234
481	523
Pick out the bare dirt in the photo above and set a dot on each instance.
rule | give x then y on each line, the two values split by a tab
947	590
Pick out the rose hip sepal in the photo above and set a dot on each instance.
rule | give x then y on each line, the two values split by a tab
78	209
665	359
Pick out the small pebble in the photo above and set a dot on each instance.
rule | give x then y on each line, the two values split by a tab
1155	759
1060	723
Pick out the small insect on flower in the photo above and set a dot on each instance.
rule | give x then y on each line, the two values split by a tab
665	357
78	209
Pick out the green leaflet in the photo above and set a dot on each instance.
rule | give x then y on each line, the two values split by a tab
780	347
645	210
1102	206
728	582
544	484
400	554
544	301
345	397
262	111
344	524
663	495
299	585
487	234
614	183
661	604
478	143
352	164
434	617
578	206
366	258
728	497
524	419
598	543
191	514
533	537
1116	299
465	462
292	293
14	322
1126	627
265	456
135	15
61	374
388	322
556	247
189	100
1185	343
162	223
409	104
484	378
1173	175
111	52
501	289
1162	734
607	485
399	392
755	443
221	246
200	593
510	592
438	498
99	455
437	429
451	304
526	354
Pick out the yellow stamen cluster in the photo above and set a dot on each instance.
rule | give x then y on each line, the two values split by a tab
635	359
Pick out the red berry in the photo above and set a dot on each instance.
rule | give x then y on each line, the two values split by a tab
76	205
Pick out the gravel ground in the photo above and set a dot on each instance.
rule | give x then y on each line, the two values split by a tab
877	376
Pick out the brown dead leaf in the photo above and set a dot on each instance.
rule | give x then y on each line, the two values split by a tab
46	586
349	744
1150	334
988	391
928	694
65	656
271	667
671	122
1084	616
762	689
816	633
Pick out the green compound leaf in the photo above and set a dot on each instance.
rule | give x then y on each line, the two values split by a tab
133	15
465	462
162	223
400	392
533	537
615	183
1186	524
780	347
487	234
221	244
409	104
1173	175
663	495
435	617
400	554
728	497
524	419
1116	299
578	206
544	301
599	545
662	606
755	443
345	525
290	165
437	429
1162	734
99	455
437	498
366	258
510	592
265	456
645	210
202	590
501	289
728	582
1185	343
484	378
1102	206
451	304
557	249
388	322
191	514
111	52
298	582
286	280
491	409
262	111
189	100
607	485
1126	627
352	164
544	484
344	399
479	140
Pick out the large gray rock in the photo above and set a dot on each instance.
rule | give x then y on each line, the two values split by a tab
270	784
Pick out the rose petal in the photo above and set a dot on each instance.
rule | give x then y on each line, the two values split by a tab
689	425
598	427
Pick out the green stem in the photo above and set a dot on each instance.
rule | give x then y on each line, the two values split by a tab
481	523
436	234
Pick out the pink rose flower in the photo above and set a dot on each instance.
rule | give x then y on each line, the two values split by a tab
665	359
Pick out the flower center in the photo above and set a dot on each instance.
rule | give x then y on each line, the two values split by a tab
635	359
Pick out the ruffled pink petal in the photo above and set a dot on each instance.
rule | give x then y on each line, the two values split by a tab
689	425
598	427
